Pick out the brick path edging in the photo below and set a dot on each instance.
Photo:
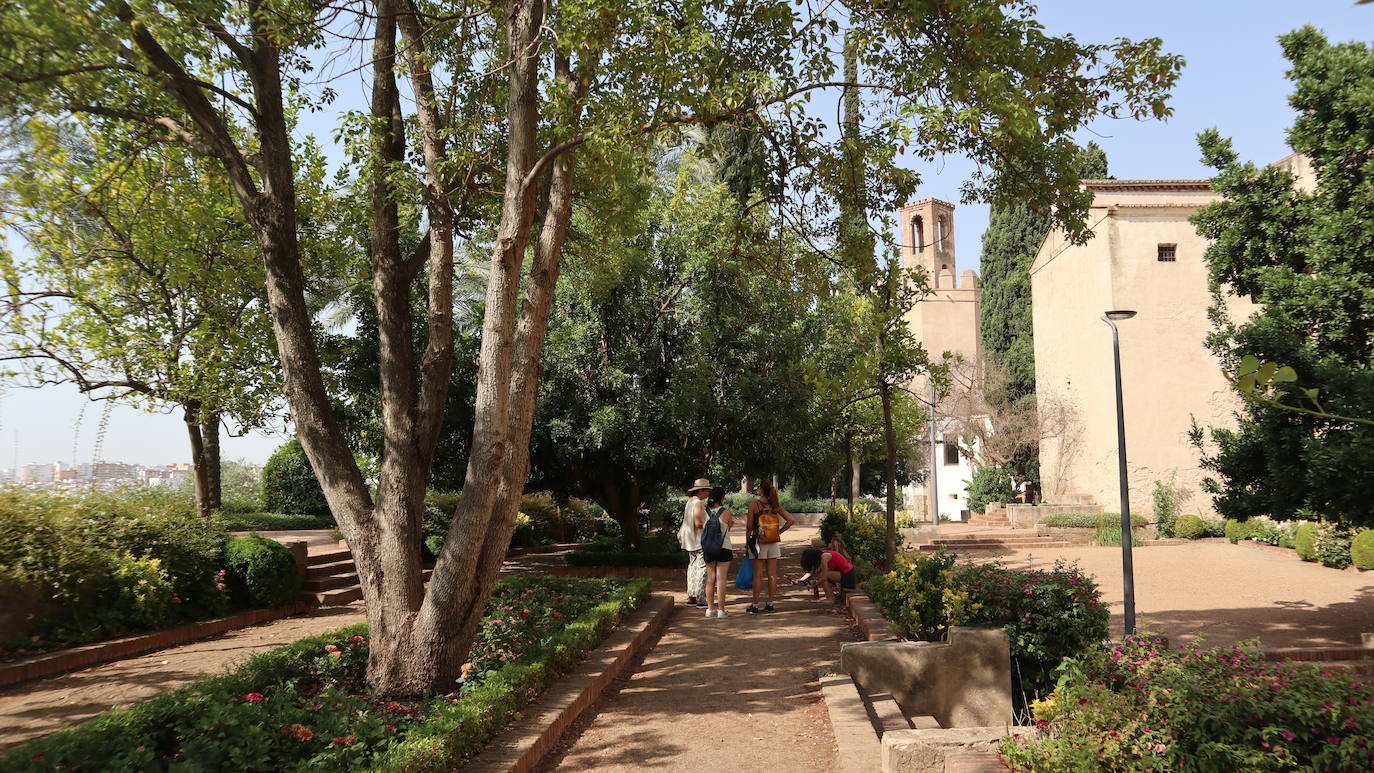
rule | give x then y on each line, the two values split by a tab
73	658
520	747
869	618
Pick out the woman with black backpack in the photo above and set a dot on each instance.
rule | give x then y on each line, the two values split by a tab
715	522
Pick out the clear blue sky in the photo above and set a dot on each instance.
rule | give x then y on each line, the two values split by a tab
1234	79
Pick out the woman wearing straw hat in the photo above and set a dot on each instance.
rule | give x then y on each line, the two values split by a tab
689	537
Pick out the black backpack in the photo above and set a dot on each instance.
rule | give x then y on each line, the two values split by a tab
712	536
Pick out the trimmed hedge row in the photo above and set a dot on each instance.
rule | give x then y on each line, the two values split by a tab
1092	520
128	739
273	521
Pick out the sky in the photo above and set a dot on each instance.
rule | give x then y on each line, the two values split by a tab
1233	80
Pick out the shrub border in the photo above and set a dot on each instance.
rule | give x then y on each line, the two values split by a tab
73	658
521	746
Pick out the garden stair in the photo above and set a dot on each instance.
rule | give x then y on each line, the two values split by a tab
998	518
886	714
1354	661
331	579
992	541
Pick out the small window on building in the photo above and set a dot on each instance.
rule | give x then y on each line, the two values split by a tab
917	236
1167	253
951	453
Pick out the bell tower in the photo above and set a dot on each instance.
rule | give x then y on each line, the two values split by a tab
927	239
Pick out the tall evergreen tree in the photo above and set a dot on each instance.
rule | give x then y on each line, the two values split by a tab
1014	234
1307	258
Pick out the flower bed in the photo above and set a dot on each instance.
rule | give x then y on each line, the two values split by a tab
1136	707
307	705
1049	615
657	551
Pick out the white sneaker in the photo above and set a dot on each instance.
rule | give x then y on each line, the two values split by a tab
710	613
720	613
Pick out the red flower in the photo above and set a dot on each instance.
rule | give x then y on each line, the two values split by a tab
1042	723
176	599
390	726
356	639
253	697
346	740
330	648
301	732
398	708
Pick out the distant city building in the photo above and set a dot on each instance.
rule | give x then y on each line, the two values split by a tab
37	473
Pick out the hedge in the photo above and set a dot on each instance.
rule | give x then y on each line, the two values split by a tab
1362	550
1091	520
262	572
128	739
1189	526
273	521
289	484
1302	541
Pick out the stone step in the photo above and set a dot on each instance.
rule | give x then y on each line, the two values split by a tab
330	582
331	569
338	596
333	556
885	713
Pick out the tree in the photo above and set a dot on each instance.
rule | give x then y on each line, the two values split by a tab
677	343
1307	258
127	303
543	86
1010	243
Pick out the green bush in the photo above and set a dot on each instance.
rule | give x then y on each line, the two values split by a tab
1235	531
1189	526
913	596
1165	507
271	521
271	714
289	484
1140	707
991	483
1108	535
1092	520
1331	544
865	534
1362	550
78	548
261	571
834	522
811	506
1302	541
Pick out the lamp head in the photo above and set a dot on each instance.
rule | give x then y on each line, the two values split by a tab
1116	315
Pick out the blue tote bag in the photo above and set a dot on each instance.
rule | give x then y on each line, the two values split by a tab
745	579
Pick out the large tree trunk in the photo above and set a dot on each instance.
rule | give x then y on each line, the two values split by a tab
209	435
200	464
619	493
890	441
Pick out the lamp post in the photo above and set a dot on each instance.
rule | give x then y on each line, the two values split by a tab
1127	568
934	468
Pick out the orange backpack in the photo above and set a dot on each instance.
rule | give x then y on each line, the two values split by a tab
769	526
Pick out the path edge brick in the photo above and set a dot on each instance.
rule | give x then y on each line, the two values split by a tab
520	747
73	658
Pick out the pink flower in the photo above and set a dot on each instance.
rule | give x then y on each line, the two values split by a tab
1287	735
330	648
356	639
1160	748
1333	740
253	697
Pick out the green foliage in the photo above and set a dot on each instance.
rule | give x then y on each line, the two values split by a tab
1139	707
105	560
1303	540
1189	526
261	571
1238	530
1331	544
1010	243
1301	256
1091	520
915	596
232	521
1165	506
306	706
865	534
1049	615
1110	534
991	483
661	550
289	484
1362	550
834	522
241	488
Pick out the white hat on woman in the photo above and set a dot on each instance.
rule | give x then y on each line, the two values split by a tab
701	483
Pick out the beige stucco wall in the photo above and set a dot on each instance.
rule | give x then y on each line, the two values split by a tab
1168	375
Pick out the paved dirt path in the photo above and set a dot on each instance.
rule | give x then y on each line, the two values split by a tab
737	694
1225	593
45	706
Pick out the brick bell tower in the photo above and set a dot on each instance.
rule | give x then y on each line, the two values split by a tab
926	233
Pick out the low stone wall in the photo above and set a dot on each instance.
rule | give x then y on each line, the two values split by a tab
964	682
936	751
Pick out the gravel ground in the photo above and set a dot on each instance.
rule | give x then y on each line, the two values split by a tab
1225	593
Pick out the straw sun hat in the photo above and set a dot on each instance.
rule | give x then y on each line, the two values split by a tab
699	485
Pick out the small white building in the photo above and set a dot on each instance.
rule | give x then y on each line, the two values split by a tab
953	472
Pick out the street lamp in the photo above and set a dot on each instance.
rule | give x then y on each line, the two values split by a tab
1127	569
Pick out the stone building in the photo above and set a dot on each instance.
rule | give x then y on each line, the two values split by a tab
945	321
1144	256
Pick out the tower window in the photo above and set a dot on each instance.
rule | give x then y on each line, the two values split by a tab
951	454
1167	253
943	233
917	236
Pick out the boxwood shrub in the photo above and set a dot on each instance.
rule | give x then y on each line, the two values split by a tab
1362	549
261	571
1189	526
1302	541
